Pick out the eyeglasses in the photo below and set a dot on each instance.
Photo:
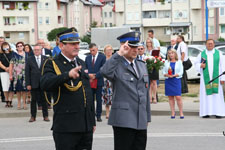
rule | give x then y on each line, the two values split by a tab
140	48
20	46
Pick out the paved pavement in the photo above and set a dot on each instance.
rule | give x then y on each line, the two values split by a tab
191	108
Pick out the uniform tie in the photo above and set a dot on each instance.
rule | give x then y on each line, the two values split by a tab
73	64
132	65
38	61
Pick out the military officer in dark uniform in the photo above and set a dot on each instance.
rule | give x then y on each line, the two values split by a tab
74	113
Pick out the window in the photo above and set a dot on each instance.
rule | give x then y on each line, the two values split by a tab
110	14
7	20
129	16
39	5
7	35
22	20
6	5
149	14
46	5
136	16
222	28
40	20
211	13
41	34
222	11
105	14
60	20
47	20
164	14
167	31
21	35
110	24
211	30
105	24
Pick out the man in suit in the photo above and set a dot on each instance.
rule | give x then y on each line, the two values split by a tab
94	62
32	75
48	53
141	52
66	76
130	111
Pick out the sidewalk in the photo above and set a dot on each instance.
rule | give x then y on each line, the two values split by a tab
191	108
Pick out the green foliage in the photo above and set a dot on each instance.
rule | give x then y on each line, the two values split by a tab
86	38
154	63
53	33
221	39
94	24
162	43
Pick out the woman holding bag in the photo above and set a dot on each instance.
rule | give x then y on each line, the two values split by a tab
173	71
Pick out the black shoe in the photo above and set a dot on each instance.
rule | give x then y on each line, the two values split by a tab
207	116
99	119
218	117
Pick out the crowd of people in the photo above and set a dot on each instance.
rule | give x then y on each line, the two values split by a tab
119	80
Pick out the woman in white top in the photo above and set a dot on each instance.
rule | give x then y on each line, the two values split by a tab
182	53
173	71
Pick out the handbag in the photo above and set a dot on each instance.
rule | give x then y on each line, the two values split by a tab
93	84
187	64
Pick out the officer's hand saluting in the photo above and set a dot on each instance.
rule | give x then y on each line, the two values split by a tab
74	73
124	49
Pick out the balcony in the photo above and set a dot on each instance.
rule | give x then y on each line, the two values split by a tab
156	6
154	22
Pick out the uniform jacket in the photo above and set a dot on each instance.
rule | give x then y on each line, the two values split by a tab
32	72
100	61
130	102
70	114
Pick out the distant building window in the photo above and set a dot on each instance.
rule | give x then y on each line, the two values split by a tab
39	5
47	20
110	24
7	20
46	5
7	35
222	11
167	31
40	20
22	20
41	34
6	5
223	28
21	35
136	16
211	13
110	14
164	14
105	14
105	24
149	14
60	20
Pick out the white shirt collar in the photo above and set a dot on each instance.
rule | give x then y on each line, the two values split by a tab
69	60
95	56
39	56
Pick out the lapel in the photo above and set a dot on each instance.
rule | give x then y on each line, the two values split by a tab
129	68
42	60
35	62
139	69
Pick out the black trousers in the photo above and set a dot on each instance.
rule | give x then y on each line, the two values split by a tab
184	84
129	139
73	140
38	95
1	90
98	94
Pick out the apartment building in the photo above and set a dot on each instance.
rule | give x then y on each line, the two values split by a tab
18	20
170	18
108	14
222	22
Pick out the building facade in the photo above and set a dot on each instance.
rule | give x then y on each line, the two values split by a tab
108	14
170	18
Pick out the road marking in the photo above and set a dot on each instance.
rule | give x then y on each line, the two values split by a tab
100	136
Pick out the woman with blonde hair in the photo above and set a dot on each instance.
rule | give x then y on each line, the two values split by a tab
107	88
173	71
154	75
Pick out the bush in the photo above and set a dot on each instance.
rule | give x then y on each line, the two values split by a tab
221	39
53	33
86	38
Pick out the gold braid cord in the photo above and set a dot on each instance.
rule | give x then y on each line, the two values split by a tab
69	87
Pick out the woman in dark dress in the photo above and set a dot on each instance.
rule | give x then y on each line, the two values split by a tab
154	75
173	71
5	57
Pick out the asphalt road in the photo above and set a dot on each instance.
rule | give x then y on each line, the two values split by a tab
192	133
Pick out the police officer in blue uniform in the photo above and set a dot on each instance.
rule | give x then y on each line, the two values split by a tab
74	113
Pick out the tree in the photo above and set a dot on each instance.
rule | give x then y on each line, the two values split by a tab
53	33
221	39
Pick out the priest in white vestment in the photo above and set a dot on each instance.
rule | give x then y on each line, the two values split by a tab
210	64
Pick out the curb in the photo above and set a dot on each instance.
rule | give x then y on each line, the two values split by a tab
39	114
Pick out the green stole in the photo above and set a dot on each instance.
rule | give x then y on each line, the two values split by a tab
212	87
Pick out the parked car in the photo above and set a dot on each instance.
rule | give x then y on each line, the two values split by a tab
83	54
221	48
193	52
84	45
